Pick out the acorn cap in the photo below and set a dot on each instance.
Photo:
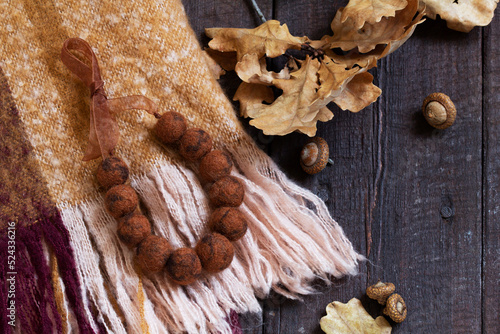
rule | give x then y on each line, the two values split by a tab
396	308
380	291
439	110
314	155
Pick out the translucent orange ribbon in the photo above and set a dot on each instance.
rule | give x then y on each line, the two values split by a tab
104	133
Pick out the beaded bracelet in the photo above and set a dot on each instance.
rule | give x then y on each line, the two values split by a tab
214	252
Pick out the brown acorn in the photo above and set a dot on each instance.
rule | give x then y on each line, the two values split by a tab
315	156
396	308
439	110
380	291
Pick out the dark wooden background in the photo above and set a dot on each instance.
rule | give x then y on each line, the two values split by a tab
394	175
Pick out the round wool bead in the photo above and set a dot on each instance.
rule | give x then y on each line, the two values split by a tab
121	200
184	266
152	253
226	191
215	252
111	172
170	127
215	165
195	144
229	222
134	228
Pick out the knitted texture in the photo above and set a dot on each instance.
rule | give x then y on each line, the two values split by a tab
39	232
147	47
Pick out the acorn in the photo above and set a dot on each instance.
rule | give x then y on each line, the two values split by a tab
195	144
111	172
380	291
229	222
134	228
396	308
226	191
215	252
315	156
152	253
215	165
170	127
121	200
184	266
439	110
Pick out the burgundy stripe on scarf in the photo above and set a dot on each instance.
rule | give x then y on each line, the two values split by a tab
24	200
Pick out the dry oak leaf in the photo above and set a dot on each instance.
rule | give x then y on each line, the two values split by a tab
369	60
269	39
358	93
212	64
226	60
252	70
332	76
461	15
251	97
386	31
370	11
353	58
291	111
352	318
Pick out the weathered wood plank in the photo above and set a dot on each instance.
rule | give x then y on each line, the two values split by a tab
345	187
491	178
435	263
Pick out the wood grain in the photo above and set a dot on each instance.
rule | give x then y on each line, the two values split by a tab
435	263
345	186
491	179
393	175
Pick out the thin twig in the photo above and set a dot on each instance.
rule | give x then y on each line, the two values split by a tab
258	11
315	53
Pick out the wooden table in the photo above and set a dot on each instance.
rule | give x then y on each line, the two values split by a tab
423	205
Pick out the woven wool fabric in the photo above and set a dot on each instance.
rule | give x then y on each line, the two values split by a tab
143	47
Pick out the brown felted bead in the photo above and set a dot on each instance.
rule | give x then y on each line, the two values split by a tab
229	222
152	253
215	252
111	172
215	165
170	127
226	191
134	228
195	144
184	266
121	200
